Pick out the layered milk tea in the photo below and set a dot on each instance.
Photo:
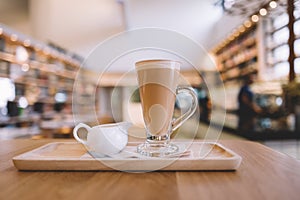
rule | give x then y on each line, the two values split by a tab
157	86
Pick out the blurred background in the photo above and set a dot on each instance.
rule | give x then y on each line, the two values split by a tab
43	44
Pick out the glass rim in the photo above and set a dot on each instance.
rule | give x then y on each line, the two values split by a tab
175	64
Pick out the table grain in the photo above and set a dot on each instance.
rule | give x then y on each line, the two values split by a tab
263	174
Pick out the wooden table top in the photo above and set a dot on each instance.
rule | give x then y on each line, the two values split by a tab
263	174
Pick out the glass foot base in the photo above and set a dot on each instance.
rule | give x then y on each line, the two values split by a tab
157	150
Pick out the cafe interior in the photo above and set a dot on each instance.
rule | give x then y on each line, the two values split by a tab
85	114
49	81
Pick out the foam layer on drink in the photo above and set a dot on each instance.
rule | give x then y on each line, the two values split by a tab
146	64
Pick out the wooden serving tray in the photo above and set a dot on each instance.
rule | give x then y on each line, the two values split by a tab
72	156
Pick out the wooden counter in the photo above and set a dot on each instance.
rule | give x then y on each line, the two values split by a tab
263	174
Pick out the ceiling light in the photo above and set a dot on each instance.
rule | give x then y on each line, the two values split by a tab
13	37
273	4
247	24
236	34
263	12
25	67
27	43
255	18
242	29
21	54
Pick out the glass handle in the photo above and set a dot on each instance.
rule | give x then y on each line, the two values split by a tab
180	120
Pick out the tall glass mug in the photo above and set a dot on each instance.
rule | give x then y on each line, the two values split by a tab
158	87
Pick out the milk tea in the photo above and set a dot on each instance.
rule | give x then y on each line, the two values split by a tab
157	86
